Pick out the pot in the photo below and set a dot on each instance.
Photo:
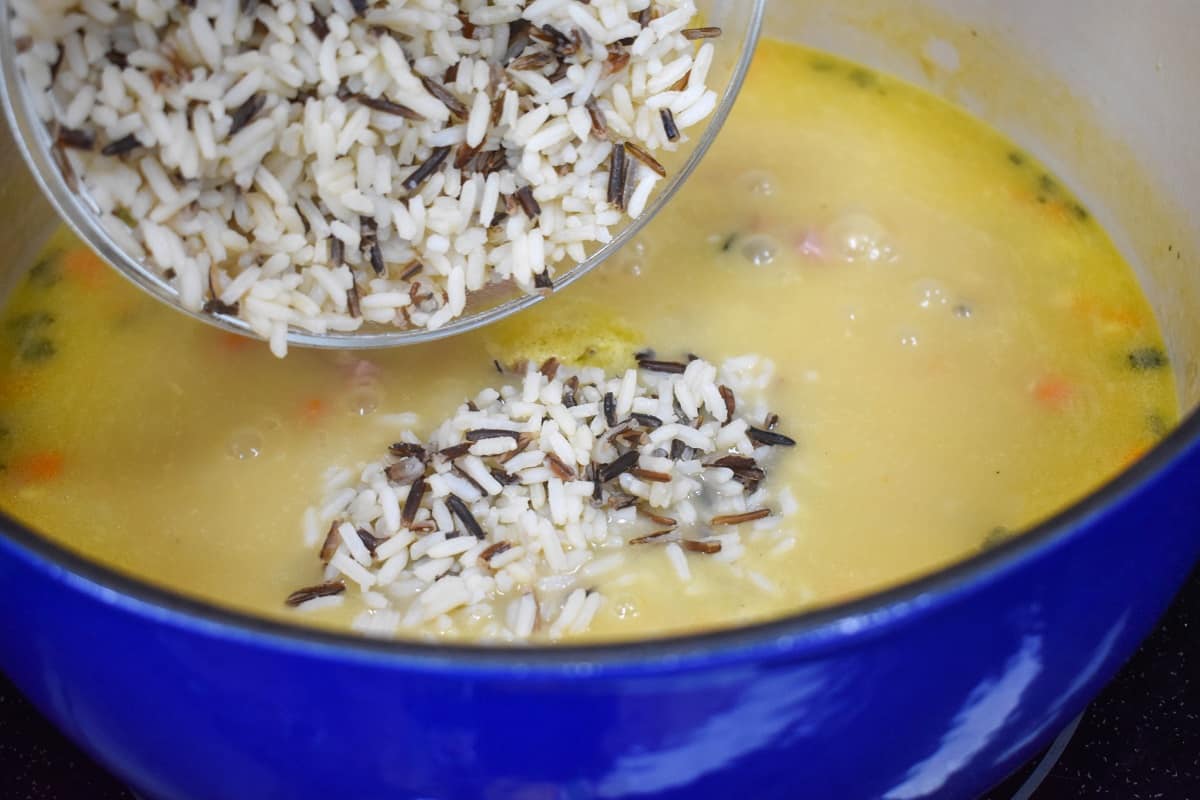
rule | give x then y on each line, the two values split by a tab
937	688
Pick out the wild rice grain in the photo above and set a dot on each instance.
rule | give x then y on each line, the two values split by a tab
770	438
528	204
427	168
669	127
738	519
413	502
120	147
616	176
246	113
459	509
76	139
300	596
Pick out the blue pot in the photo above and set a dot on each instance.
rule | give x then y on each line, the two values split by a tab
935	689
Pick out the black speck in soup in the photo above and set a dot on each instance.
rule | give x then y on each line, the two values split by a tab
1145	359
1157	424
863	78
996	536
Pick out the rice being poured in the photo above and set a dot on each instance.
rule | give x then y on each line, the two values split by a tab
325	164
520	506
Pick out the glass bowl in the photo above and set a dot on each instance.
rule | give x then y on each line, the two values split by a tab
740	21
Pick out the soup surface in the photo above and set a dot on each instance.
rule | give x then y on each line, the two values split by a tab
958	348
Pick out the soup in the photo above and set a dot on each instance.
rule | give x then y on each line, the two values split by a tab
958	350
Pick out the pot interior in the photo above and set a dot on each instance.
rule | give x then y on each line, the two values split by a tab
1116	128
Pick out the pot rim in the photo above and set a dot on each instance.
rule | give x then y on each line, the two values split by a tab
806	632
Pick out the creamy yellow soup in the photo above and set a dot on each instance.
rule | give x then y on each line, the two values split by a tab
958	347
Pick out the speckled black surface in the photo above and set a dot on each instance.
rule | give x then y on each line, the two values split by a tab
1139	740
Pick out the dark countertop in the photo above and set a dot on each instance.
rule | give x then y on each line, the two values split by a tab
1139	740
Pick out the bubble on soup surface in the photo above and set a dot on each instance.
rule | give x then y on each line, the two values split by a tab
364	400
930	294
760	250
860	239
624	607
632	257
760	184
245	444
910	339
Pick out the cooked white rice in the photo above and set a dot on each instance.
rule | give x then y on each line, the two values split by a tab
460	533
326	164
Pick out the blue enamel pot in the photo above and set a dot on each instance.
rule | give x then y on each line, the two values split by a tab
936	688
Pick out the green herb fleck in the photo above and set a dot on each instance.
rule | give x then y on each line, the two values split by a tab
1080	212
1144	359
823	65
1157	425
1047	184
729	242
1017	159
45	272
997	536
37	349
23	324
863	78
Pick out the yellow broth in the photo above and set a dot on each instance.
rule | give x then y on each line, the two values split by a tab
959	349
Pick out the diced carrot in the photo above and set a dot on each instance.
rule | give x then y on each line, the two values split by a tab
1094	308
1057	212
85	266
1054	392
313	409
1133	456
1123	317
39	467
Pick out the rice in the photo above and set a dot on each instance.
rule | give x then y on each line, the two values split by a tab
483	538
277	157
